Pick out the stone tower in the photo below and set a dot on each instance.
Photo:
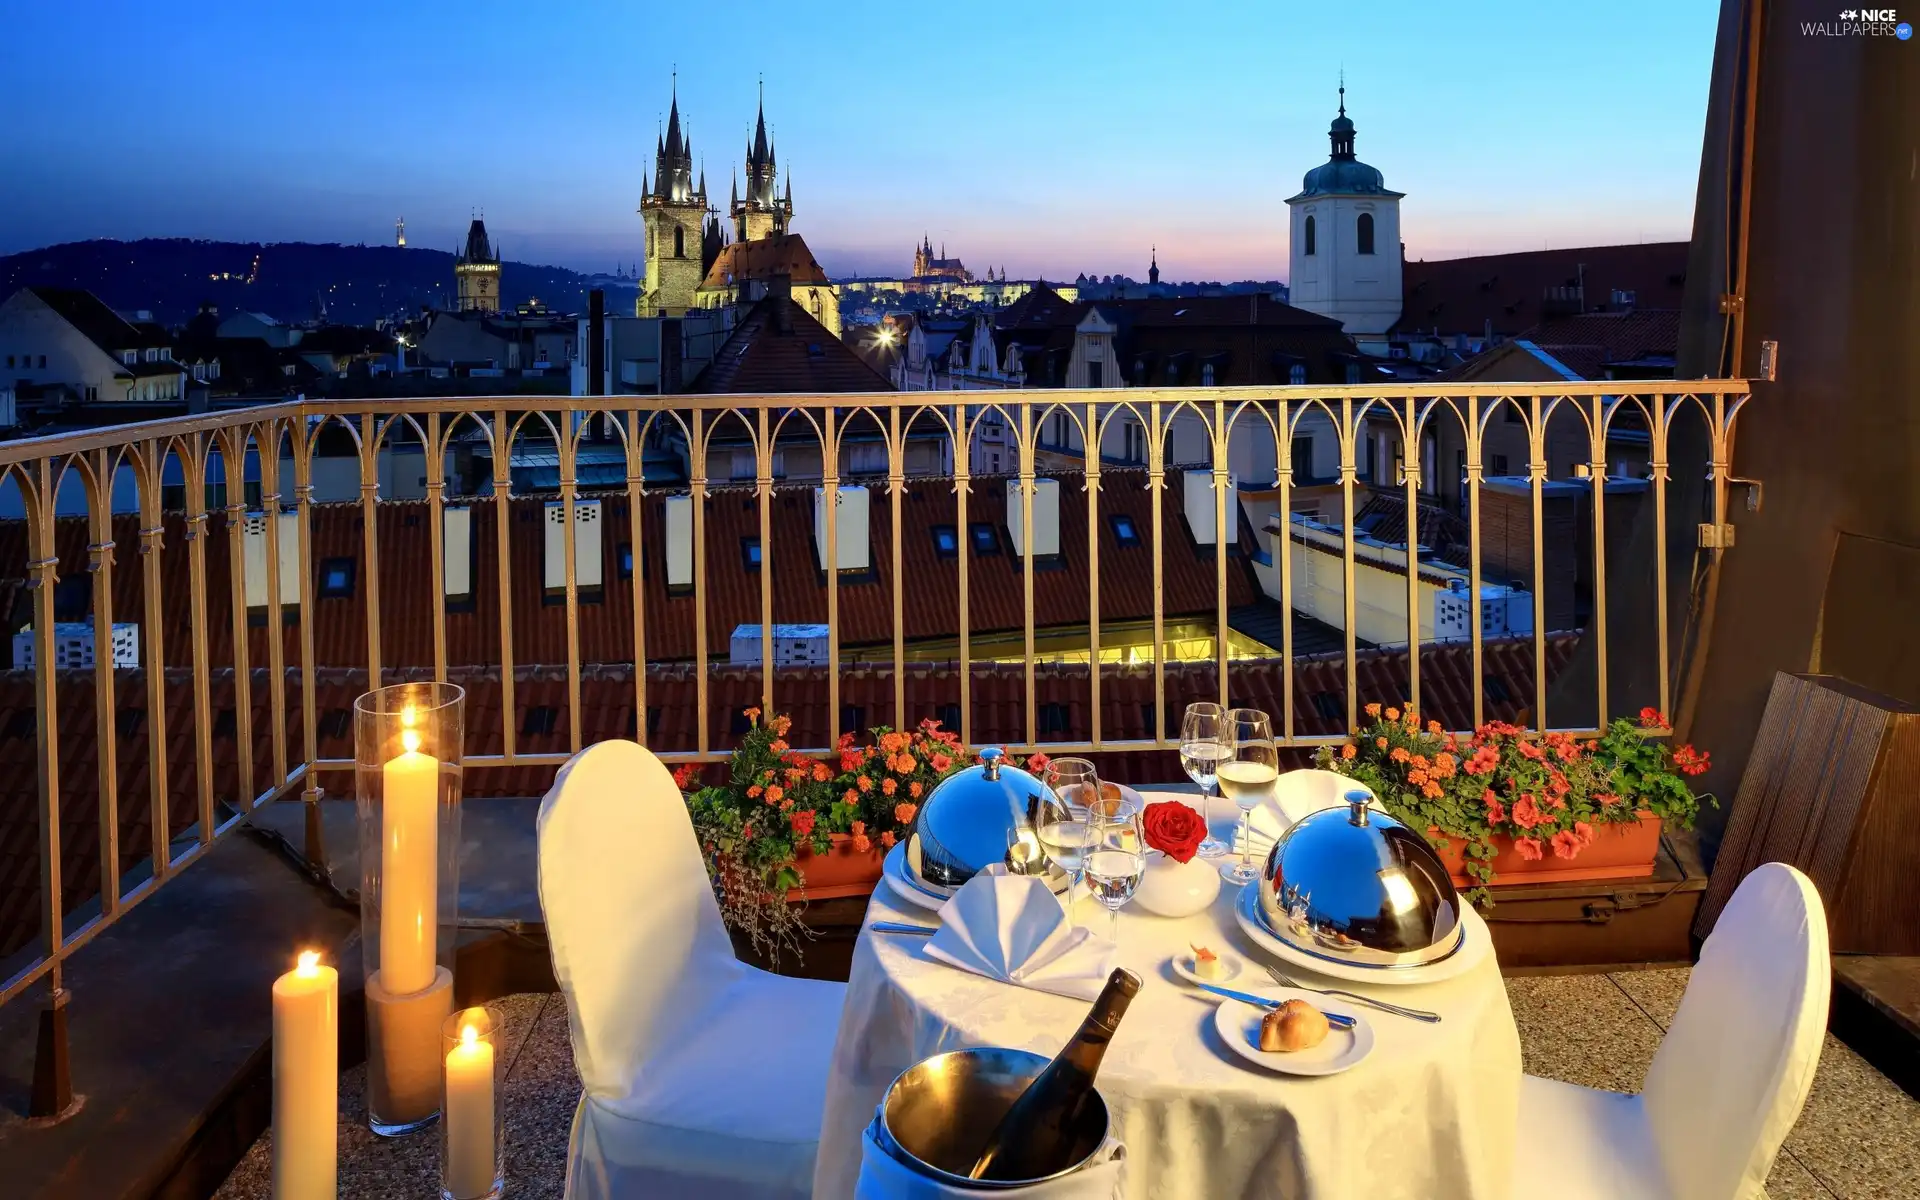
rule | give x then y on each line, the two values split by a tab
674	212
1345	253
763	212
477	272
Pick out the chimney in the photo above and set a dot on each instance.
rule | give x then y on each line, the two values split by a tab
850	533
679	524
254	559
596	343
1197	493
586	545
780	291
1046	518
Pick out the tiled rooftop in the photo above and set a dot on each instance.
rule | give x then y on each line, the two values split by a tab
1857	1139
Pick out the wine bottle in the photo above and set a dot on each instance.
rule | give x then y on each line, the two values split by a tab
1037	1135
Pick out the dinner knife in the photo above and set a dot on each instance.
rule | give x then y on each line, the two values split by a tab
901	927
1337	1020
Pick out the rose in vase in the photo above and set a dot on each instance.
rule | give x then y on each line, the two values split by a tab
1175	829
1174	884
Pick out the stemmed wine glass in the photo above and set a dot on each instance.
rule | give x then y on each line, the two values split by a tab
1116	857
1248	775
1064	827
1202	747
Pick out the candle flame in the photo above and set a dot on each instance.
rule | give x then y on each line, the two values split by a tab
309	964
469	1035
410	741
408	716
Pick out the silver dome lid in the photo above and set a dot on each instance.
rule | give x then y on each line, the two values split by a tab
969	818
1353	885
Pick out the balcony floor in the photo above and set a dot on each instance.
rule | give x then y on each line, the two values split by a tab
1859	1136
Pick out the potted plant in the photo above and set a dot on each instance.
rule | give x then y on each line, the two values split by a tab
1507	806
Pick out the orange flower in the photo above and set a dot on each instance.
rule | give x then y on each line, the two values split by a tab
753	714
862	843
1433	727
913	789
864	783
1400	754
1393	714
1420	760
774	793
1372	710
1347	751
753	792
887	839
940	762
850	796
781	725
904	813
1443	765
1431	791
888	787
820	773
1380	742
1416	777
778	746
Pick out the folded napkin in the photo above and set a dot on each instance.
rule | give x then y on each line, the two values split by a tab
1012	928
882	1178
1298	794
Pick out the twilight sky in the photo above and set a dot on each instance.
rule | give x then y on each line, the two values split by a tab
1053	138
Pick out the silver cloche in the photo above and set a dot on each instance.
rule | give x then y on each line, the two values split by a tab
969	819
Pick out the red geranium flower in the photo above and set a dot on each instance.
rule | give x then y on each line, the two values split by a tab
1652	718
803	822
1037	763
1529	848
1690	761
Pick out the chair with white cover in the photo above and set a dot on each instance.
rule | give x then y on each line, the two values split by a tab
703	1076
1728	1080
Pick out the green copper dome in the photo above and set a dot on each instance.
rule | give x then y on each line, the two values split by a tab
1343	174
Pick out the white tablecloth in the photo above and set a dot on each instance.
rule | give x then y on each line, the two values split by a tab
1431	1115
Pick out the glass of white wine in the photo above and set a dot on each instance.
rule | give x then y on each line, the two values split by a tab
1116	857
1248	776
1063	827
1203	747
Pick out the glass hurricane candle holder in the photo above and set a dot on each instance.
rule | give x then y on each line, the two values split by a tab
472	1150
407	750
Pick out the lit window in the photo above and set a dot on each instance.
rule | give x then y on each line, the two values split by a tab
336	579
946	541
1124	531
985	540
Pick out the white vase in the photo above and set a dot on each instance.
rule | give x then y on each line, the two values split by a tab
1171	888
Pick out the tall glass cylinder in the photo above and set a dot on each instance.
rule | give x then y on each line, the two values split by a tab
472	1151
407	742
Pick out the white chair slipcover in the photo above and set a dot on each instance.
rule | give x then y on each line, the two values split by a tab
1728	1080
703	1076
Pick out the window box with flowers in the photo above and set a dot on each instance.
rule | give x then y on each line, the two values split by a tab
1505	807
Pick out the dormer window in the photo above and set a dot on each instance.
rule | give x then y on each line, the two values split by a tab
129	357
1206	374
1298	374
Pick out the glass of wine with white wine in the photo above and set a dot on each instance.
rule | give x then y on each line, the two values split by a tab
1203	746
1248	776
1063	827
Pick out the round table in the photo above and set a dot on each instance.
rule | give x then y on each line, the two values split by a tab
1431	1113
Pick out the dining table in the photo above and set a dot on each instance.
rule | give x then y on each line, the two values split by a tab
1431	1112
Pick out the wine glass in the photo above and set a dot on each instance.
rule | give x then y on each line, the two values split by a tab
1202	748
1116	857
1063	827
1248	775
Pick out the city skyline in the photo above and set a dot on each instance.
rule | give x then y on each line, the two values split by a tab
1015	151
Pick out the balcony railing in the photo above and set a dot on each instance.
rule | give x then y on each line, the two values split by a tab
180	487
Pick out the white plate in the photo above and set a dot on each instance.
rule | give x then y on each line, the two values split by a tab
1239	1026
1475	944
1229	963
894	870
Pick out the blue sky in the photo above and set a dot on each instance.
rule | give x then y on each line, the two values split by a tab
1052	137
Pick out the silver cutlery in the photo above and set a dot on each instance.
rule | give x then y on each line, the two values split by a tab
1337	1020
900	927
1418	1014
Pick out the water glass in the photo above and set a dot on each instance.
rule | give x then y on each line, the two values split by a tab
1116	857
1063	827
1249	775
1203	746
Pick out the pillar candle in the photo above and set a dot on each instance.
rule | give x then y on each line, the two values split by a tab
469	1116
306	1081
409	868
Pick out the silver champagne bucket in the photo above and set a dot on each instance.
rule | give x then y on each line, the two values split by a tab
938	1114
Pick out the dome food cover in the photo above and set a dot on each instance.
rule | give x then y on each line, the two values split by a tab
970	817
1355	886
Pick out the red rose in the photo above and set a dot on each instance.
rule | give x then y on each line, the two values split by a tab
1174	829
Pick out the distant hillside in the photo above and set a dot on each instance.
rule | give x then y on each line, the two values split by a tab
172	276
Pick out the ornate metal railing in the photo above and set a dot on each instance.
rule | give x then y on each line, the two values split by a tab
1369	427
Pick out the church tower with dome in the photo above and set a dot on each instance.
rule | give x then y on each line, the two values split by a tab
1345	254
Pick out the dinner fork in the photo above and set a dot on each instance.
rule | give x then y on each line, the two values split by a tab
1418	1014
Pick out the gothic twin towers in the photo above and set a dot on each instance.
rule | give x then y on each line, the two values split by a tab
684	234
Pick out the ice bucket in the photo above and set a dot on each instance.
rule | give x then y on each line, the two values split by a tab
938	1114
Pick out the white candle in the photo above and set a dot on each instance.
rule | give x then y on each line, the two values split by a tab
306	1081
409	867
469	1115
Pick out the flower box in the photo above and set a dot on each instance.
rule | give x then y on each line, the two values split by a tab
1622	851
841	871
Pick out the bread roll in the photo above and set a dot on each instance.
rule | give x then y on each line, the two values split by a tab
1295	1025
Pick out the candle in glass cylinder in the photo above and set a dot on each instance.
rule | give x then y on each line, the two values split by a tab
469	1169
409	867
306	1080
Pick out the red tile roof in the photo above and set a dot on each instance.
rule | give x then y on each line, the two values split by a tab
763	258
779	347
1508	292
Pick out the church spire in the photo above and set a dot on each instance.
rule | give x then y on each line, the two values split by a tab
1153	266
1340	133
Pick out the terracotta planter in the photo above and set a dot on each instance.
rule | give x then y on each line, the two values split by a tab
1618	852
840	871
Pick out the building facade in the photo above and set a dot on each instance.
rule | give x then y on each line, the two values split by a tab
68	340
1345	252
476	272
